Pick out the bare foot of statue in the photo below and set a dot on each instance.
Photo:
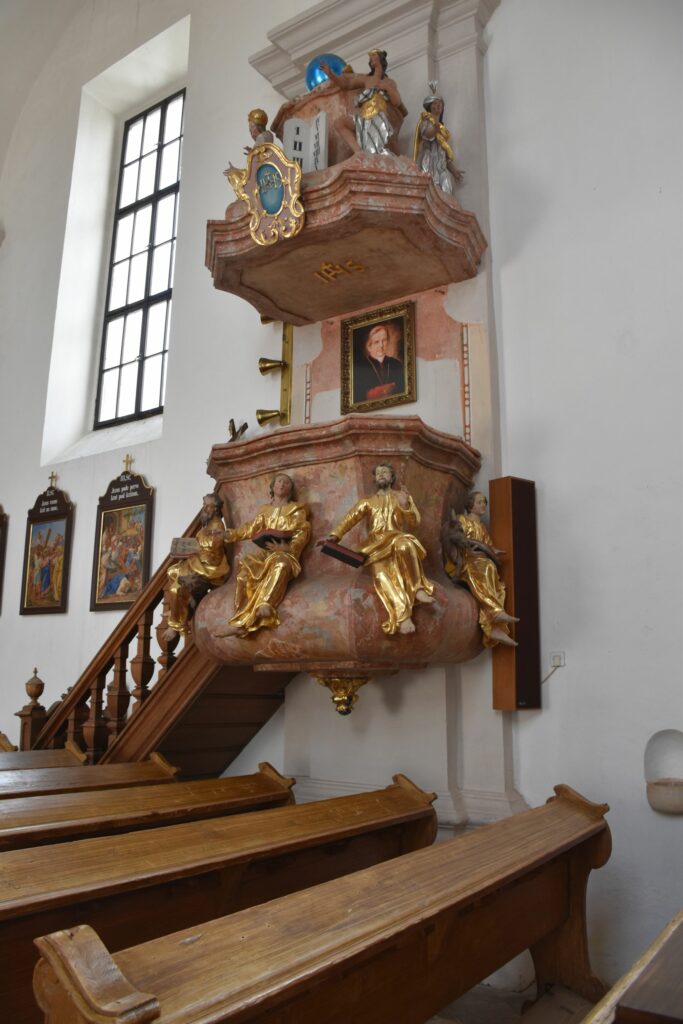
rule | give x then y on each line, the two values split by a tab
504	617
407	626
227	630
264	611
423	597
169	634
502	638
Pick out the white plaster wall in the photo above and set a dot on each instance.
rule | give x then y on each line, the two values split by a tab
584	108
216	340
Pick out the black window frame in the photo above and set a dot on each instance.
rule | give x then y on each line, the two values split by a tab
148	300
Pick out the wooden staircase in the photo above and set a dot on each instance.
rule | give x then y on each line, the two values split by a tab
198	712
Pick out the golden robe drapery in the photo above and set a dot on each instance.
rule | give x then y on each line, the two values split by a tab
262	579
394	555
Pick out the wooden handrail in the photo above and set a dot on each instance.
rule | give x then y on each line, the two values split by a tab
72	707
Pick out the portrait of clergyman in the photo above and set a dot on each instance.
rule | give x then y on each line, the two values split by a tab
378	359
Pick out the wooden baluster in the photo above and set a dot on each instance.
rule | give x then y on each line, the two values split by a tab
143	664
167	657
79	715
95	728
118	696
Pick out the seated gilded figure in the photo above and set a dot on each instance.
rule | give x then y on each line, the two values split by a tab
282	529
205	567
372	128
393	554
471	558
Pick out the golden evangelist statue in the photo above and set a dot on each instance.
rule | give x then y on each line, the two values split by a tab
394	555
205	567
471	558
282	530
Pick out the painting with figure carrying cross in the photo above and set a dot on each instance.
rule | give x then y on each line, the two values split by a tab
47	550
378	359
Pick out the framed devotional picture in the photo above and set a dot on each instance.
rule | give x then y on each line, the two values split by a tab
47	553
378	359
123	534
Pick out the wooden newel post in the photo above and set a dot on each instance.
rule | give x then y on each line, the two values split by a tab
32	715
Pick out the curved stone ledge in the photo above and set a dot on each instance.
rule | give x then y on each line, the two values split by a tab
376	212
331	615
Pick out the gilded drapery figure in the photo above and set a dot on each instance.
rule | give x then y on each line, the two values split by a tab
262	579
207	568
472	559
393	554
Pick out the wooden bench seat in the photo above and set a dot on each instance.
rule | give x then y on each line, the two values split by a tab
137	886
69	756
64	817
392	944
43	781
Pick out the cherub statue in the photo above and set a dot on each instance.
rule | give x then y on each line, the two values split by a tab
432	151
395	557
371	126
471	558
257	119
205	567
262	579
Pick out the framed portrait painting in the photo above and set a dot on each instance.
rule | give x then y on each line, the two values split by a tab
378	359
47	553
122	543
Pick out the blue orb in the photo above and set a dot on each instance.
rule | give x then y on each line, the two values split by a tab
315	74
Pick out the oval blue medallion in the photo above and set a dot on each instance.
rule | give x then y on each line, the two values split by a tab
271	188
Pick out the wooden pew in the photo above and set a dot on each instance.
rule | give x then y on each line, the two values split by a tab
392	944
43	781
6	743
38	820
68	756
652	991
141	885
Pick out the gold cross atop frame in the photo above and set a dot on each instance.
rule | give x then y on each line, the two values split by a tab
53	479
127	463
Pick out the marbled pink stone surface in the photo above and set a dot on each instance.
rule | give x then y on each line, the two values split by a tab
378	212
437	336
331	617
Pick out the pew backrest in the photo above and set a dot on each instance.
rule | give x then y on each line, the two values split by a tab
79	778
65	817
392	943
140	885
68	756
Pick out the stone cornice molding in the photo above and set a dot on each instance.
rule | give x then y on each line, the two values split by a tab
351	27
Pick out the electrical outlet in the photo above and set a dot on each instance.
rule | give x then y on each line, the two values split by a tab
557	659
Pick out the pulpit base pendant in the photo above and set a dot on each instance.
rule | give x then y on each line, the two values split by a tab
343	690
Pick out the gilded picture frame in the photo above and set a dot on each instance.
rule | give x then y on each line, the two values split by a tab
123	535
378	359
